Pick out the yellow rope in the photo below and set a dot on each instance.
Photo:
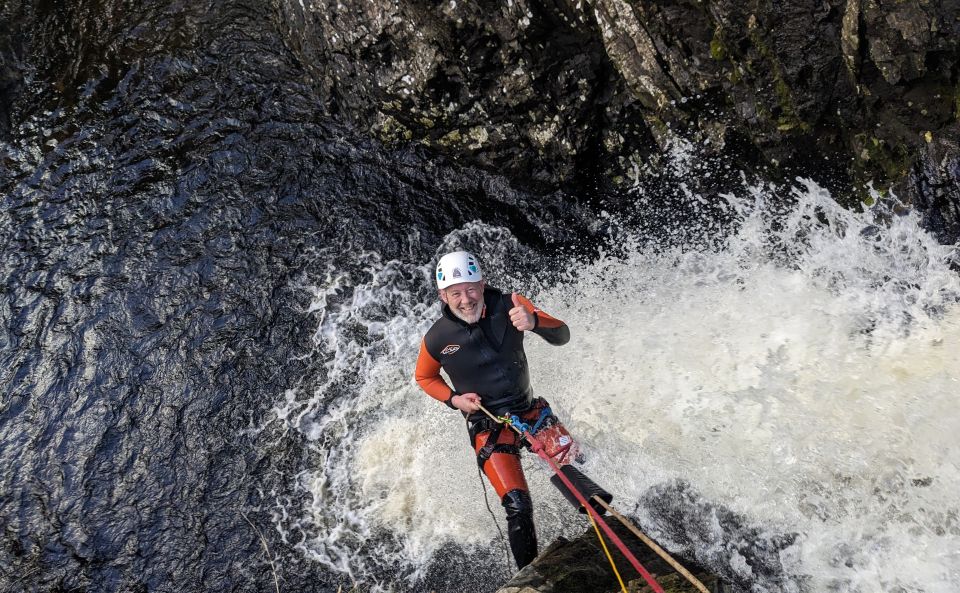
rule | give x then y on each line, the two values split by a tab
653	546
607	552
506	420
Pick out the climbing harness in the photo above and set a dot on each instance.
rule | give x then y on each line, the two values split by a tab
556	440
492	444
545	418
599	502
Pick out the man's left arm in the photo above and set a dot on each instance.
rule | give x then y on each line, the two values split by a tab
526	317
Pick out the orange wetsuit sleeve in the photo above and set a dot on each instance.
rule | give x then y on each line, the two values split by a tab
546	326
428	375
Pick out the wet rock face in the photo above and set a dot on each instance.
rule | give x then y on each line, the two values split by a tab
935	180
582	95
577	94
11	66
857	82
522	87
581	566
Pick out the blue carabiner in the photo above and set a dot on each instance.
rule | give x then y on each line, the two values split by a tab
544	414
518	424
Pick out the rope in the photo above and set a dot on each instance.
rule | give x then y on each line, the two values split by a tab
653	546
613	564
503	540
538	449
266	548
496	523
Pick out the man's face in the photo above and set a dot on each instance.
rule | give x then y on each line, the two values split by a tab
465	300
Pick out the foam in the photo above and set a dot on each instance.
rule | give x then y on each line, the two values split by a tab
803	376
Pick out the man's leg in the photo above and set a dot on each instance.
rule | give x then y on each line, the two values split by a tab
506	476
520	529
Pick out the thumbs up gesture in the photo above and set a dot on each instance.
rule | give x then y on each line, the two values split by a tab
520	316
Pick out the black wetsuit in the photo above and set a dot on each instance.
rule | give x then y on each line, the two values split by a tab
487	357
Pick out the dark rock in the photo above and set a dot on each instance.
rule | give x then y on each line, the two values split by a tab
524	88
857	82
580	566
577	94
12	67
934	184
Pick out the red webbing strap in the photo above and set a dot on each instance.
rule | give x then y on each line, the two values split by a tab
538	449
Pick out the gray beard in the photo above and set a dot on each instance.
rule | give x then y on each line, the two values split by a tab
463	318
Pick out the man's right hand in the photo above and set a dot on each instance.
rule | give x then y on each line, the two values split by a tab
466	402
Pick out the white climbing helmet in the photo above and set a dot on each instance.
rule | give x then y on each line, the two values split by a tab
457	267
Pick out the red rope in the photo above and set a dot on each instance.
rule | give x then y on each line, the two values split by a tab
538	449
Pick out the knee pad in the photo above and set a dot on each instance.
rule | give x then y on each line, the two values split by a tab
520	529
517	503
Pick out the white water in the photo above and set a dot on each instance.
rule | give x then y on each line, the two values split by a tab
804	377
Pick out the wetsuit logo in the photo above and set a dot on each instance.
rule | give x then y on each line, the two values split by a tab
450	349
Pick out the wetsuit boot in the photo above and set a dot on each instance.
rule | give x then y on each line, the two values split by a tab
520	528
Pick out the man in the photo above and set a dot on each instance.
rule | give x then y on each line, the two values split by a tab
478	341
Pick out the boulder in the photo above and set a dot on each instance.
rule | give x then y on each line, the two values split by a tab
580	566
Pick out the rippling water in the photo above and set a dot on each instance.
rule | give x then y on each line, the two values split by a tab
157	226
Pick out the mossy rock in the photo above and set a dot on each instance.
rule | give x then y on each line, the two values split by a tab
717	50
580	566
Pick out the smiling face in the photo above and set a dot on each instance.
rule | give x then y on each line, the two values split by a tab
465	300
